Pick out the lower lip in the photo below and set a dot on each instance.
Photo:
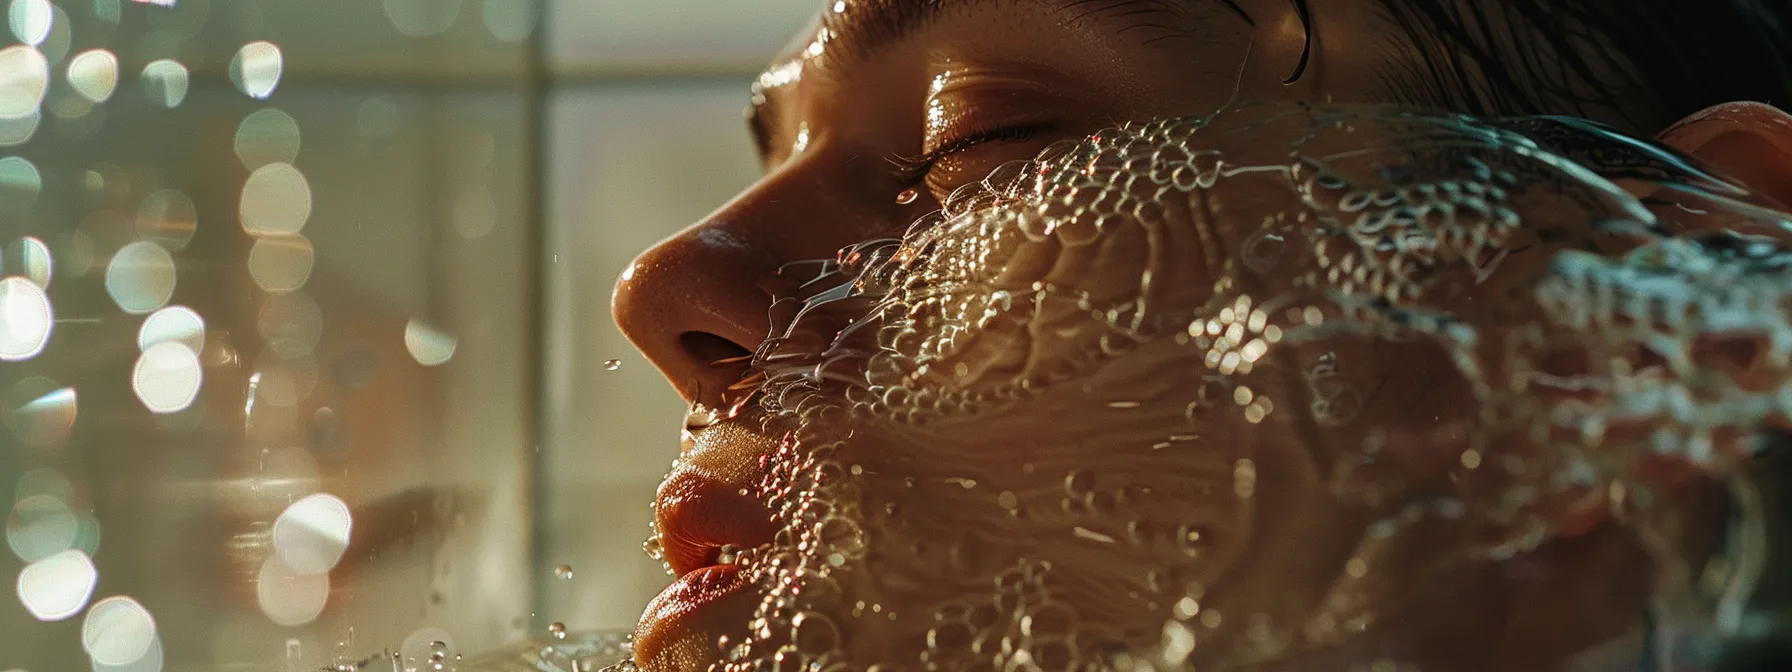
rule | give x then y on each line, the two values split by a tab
680	608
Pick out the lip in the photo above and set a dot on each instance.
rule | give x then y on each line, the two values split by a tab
678	631
702	506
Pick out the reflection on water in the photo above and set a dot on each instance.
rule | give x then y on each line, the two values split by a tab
220	287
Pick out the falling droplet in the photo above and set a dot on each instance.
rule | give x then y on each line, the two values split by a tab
908	196
557	629
564	572
612	364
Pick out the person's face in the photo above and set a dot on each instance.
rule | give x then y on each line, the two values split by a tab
1128	384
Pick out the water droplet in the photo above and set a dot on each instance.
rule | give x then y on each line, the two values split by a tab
908	196
612	364
728	554
564	572
557	629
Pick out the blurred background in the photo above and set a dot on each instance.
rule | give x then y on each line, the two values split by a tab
305	347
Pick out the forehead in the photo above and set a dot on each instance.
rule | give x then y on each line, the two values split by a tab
845	31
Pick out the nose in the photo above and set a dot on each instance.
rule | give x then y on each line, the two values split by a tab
695	304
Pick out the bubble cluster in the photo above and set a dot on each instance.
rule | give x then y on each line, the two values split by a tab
1057	425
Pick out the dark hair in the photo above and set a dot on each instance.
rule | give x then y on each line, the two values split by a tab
1645	62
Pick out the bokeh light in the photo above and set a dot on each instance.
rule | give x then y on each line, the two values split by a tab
150	661
165	82
422	18
267	136
179	324
276	199
280	264
289	597
94	74
24	78
28	258
25	319
311	535
30	20
40	412
44	481
167	377
15	132
378	117
168	217
510	20
141	277
118	631
40	526
475	213
428	345
56	587
292	319
20	183
256	69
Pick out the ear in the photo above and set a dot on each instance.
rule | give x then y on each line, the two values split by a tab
1751	142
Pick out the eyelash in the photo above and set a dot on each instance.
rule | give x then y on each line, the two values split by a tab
911	170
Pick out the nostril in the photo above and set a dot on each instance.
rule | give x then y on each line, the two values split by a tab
713	351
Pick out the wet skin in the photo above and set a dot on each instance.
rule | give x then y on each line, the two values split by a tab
1095	468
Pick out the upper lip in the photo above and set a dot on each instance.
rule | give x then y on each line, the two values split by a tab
697	515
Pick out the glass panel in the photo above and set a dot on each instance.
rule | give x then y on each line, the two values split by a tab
270	341
630	165
671	36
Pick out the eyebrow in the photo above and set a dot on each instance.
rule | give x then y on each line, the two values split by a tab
870	26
